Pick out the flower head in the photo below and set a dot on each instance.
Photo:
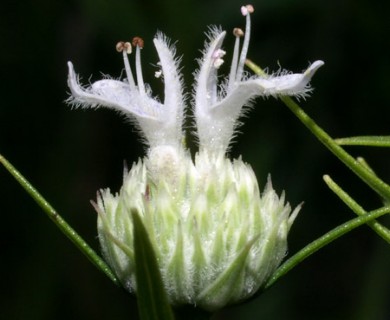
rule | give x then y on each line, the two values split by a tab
216	237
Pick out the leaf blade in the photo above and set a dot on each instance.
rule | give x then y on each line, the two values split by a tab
324	240
367	141
380	229
151	297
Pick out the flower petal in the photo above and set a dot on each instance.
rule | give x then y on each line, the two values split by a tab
108	93
216	128
173	112
86	97
206	80
296	84
161	125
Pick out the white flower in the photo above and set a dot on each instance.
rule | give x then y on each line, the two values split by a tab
160	123
217	109
216	238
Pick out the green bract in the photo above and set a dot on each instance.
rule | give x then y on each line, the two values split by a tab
216	239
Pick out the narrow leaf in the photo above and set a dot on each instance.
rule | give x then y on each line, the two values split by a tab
151	297
361	171
369	141
355	207
365	164
77	240
323	241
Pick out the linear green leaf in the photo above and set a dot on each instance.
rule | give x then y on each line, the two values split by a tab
151	297
360	170
77	240
323	241
369	141
380	229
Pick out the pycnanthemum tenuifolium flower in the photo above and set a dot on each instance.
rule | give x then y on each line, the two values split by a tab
216	237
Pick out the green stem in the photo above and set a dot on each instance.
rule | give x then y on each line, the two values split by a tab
355	207
323	241
362	172
60	222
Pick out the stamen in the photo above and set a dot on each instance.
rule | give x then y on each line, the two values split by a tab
139	44
217	55
121	45
238	33
247	10
125	48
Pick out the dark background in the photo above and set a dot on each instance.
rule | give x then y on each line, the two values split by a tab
68	155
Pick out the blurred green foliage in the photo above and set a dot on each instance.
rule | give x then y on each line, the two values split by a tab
68	155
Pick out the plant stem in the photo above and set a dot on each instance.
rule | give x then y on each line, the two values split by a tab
60	222
362	172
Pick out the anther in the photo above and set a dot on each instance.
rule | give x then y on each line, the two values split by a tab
123	46
138	42
247	9
218	62
219	53
237	32
250	8
217	56
119	46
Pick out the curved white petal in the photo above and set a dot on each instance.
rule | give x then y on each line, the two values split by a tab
86	98
217	124
296	84
113	90
160	124
206	81
108	93
173	92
